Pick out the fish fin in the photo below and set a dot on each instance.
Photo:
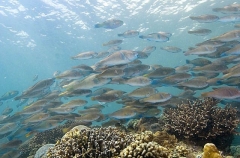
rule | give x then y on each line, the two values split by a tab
98	25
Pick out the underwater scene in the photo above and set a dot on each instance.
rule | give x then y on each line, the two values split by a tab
120	79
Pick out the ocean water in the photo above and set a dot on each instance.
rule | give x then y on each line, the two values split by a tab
38	38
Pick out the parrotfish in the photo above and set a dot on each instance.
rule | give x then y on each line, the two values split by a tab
223	93
109	24
129	34
200	32
207	18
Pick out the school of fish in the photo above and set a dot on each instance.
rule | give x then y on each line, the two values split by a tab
66	95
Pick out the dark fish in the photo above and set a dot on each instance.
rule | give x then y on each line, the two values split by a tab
205	18
199	61
223	93
157	37
109	24
113	43
171	49
200	32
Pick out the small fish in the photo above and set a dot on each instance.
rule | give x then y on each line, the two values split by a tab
114	49
8	127
61	110
37	118
88	117
207	18
136	70
109	24
160	72
230	9
148	50
199	61
113	43
9	95
233	51
117	58
138	81
124	113
99	91
223	93
129	34
112	72
211	43
204	49
84	68
230	18
157	37
213	67
171	49
74	103
187	93
156	98
228	36
195	83
7	111
175	78
85	55
200	32
70	75
105	98
77	92
142	92
233	73
184	68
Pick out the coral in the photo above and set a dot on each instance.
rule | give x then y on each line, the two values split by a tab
235	151
179	151
138	149
47	137
87	143
165	139
211	151
201	120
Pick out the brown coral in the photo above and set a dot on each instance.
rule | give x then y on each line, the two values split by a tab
211	151
144	150
86	143
201	119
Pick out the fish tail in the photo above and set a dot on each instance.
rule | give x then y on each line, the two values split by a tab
98	25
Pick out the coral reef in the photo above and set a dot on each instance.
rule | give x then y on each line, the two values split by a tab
86	143
165	139
47	137
201	120
235	151
138	149
211	151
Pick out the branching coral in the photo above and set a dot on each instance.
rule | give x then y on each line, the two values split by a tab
201	119
87	143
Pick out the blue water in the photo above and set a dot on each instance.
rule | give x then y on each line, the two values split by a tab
39	37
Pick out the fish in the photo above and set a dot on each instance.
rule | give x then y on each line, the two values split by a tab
77	92
200	32
112	72
7	111
160	72
99	91
230	18
9	95
113	43
114	49
91	81
8	127
177	77
233	73
129	34
85	55
74	103
35	118
171	49
198	61
228	36
184	68
62	110
213	67
233	81
223	93
142	92
124	113
149	49
204	49
88	117
70	74
117	58
157	98
104	98
233	51
138	81
83	68
136	70
109	24
195	83
157	37
207	18
237	25
230	9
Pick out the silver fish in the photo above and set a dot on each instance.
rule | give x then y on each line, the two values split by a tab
85	55
207	18
200	32
129	34
113	43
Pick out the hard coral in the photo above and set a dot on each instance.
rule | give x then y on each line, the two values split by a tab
87	143
201	119
211	151
144	150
